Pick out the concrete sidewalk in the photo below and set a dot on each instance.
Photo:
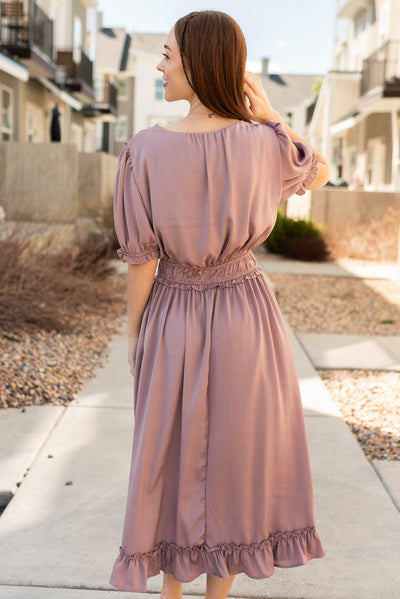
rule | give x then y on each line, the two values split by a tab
341	268
60	534
330	350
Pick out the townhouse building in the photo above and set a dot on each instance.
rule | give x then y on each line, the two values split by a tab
356	122
292	95
47	51
131	59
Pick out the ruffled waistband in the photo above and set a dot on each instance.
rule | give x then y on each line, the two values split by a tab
225	274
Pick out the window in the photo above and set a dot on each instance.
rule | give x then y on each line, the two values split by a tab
77	45
372	12
341	32
360	23
159	89
121	130
6	114
99	88
353	159
384	20
366	17
122	89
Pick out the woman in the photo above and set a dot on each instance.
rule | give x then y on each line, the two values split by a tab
220	477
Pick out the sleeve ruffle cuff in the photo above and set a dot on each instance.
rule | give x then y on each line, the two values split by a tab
312	173
307	155
133	258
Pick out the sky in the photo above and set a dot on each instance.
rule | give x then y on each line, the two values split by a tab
296	36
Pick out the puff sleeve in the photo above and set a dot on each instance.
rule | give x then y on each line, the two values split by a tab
299	164
132	215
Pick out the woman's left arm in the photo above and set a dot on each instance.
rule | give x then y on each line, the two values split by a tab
140	281
261	110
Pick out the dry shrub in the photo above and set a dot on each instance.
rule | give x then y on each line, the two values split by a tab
374	240
52	289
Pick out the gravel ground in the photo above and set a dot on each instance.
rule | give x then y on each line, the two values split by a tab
318	304
368	400
48	367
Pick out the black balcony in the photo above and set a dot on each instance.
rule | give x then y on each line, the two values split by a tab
28	35
105	100
112	96
76	75
382	68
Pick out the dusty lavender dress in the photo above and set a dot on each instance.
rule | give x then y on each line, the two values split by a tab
220	478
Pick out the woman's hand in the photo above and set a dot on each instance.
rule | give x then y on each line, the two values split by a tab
132	347
260	108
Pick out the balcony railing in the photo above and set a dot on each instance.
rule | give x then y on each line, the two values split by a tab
20	31
383	66
105	91
75	72
105	101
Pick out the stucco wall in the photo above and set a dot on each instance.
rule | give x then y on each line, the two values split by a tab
96	186
336	209
364	222
38	182
54	183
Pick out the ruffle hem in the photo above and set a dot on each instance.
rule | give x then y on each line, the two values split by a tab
282	549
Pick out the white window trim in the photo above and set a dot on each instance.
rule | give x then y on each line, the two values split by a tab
8	131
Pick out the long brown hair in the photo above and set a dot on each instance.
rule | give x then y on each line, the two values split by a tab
213	52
